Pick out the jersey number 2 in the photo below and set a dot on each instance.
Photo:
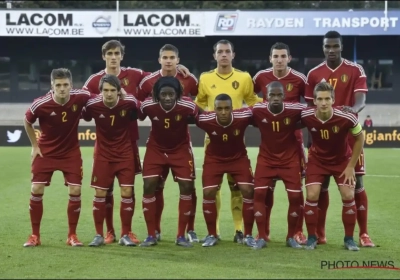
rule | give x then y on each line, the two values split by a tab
64	116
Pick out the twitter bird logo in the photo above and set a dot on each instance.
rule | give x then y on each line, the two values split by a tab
13	136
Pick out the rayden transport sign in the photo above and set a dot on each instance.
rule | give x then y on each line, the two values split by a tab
376	137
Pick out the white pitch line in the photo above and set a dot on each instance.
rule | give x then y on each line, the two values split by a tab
372	175
386	176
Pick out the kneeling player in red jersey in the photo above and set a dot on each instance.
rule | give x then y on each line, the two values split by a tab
294	84
58	112
278	158
331	155
226	154
168	146
113	156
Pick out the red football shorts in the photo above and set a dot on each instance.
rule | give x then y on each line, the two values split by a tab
180	161
360	166
265	176
239	169
300	149
317	171
104	172
136	156
44	167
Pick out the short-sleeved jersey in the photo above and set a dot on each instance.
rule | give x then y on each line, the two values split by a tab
130	79
329	138
278	141
58	123
169	129
347	79
189	85
238	85
293	83
226	142
112	128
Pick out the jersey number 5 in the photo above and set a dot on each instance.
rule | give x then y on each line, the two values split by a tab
166	121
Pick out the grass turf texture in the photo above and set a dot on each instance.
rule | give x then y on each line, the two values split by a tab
227	260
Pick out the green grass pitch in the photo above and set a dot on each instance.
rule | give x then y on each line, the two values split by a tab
227	260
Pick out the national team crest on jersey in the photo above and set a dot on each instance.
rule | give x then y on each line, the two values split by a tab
286	121
178	117
335	129
122	113
236	132
125	81
289	87
235	84
344	78
74	108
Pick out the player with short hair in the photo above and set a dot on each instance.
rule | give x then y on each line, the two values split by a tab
113	53
294	86
113	156
168	146
58	112
350	84
278	158
239	86
226	154
331	155
169	59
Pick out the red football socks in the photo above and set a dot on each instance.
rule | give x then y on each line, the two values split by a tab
74	211
210	214
126	213
149	212
36	212
99	214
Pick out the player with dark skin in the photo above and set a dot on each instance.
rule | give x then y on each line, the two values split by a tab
332	48
167	98
169	113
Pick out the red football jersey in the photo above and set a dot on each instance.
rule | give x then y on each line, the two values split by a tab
278	142
130	79
112	133
169	129
347	79
58	123
226	142
329	138
189	84
293	83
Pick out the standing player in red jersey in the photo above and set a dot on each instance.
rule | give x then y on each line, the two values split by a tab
169	59
331	155
168	146
113	155
294	86
58	112
226	154
113	53
350	84
278	158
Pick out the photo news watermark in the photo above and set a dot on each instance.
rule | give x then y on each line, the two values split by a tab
353	264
